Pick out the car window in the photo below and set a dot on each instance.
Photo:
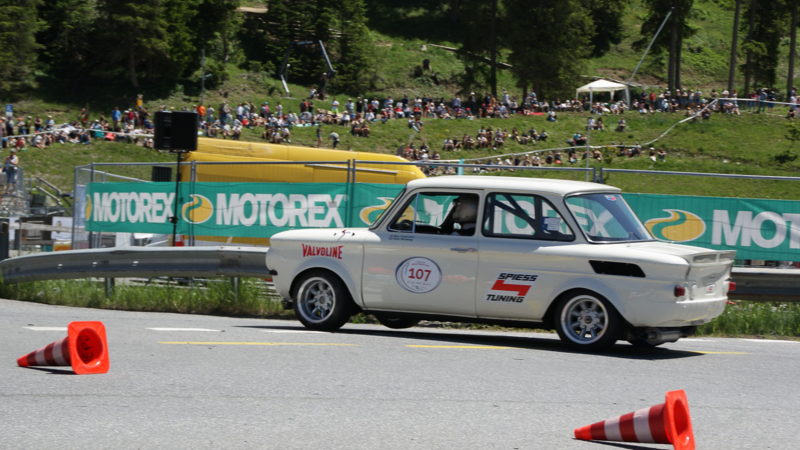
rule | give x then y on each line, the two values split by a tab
607	218
524	217
447	213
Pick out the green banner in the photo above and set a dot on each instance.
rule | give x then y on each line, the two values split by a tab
233	209
756	229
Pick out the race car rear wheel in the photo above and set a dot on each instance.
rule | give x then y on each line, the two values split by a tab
322	302
396	323
587	321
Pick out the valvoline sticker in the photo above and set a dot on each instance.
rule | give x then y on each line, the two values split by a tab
611	198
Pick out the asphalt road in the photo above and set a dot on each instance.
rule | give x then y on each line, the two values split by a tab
196	382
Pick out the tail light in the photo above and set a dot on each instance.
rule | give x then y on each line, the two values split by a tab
680	291
731	286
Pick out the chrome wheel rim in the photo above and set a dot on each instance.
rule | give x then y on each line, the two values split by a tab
316	299
584	319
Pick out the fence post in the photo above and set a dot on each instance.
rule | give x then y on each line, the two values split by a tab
91	180
109	286
601	176
192	181
74	207
4	238
235	286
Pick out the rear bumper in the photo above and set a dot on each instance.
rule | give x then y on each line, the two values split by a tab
679	314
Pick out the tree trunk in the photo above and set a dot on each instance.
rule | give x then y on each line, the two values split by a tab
454	11
749	53
732	74
132	68
673	42
493	44
225	38
792	49
524	94
678	50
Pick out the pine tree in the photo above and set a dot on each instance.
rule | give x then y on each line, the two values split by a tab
135	34
769	23
67	37
607	18
354	65
18	46
550	56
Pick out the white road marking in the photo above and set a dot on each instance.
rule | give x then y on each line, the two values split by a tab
46	328
182	329
771	340
291	331
693	340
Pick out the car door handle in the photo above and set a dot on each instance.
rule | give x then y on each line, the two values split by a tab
463	250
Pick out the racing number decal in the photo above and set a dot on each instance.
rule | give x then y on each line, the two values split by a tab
510	287
418	275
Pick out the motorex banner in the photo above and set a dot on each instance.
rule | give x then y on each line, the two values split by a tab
756	229
233	209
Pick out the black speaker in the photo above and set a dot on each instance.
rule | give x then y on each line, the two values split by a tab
176	131
161	173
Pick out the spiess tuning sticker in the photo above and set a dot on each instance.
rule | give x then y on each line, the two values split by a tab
510	287
418	275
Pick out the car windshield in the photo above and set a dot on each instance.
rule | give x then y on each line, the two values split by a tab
607	218
375	214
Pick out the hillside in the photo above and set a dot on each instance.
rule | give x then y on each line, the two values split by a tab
403	33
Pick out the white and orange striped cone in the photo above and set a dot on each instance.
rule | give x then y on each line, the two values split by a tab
667	423
178	240
84	349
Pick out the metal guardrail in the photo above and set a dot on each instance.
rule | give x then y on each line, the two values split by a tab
766	284
143	262
127	262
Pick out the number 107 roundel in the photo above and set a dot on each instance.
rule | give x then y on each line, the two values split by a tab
526	252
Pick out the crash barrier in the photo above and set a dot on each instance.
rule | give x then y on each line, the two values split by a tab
667	423
209	262
84	349
124	262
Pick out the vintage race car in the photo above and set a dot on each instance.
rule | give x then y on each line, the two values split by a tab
521	252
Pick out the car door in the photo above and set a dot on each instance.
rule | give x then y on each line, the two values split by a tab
421	260
523	255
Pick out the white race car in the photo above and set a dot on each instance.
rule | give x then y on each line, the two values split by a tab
521	252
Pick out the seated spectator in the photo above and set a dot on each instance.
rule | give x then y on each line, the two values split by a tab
448	145
599	125
365	129
621	124
543	136
551	116
662	155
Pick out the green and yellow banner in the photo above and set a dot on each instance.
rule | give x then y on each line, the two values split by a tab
756	229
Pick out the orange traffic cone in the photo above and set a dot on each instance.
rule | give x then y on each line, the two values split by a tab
667	423
84	349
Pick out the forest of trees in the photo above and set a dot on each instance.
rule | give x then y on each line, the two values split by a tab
548	43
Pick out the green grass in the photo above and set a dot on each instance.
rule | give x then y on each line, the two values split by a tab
216	298
770	320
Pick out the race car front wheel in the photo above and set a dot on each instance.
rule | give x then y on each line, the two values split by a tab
587	321
322	302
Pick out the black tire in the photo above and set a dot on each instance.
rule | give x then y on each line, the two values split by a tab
321	301
396	323
587	321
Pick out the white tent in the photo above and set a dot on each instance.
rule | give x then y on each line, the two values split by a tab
602	86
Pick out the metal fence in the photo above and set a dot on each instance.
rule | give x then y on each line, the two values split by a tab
361	171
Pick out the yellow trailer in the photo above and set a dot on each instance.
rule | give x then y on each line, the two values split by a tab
219	150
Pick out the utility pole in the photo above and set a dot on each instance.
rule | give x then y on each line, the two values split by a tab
493	76
732	74
792	50
203	78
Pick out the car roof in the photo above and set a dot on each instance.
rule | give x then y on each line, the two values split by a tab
541	185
